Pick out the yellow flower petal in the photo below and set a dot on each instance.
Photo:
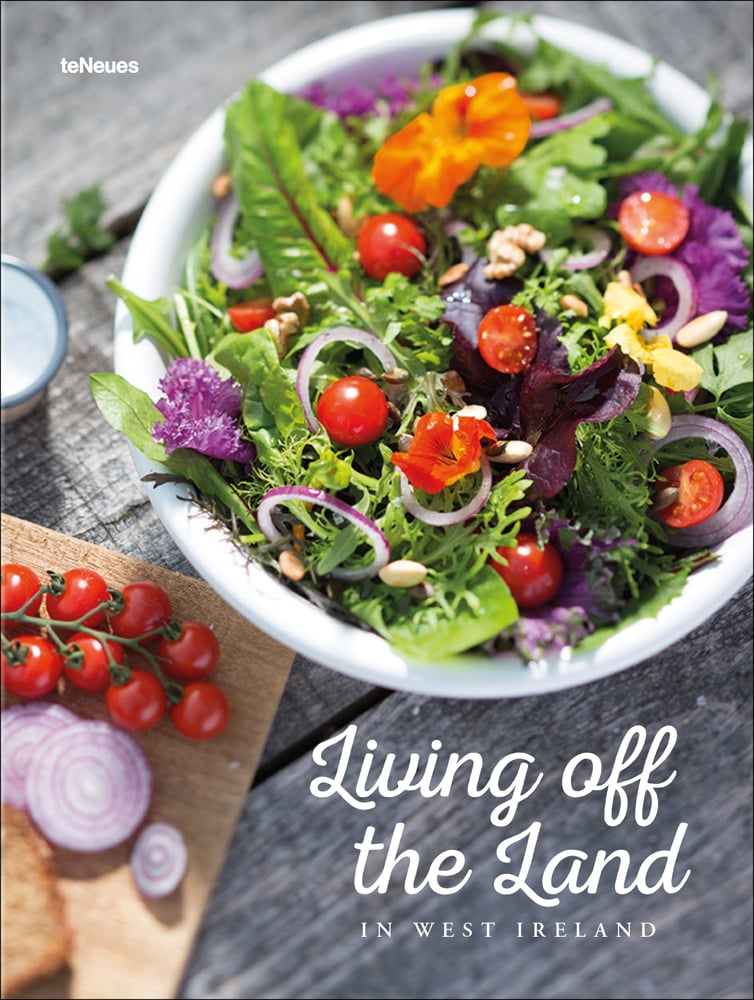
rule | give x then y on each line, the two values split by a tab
630	343
675	370
623	303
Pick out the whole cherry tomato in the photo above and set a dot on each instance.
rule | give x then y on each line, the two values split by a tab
353	411
38	672
146	607
19	585
84	590
653	222
700	493
248	316
94	672
508	338
533	574
191	656
389	243
140	703
202	712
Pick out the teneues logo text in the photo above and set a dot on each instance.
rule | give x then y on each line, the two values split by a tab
88	64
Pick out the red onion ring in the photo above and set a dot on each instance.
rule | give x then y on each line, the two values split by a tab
377	539
539	130
159	860
88	787
735	512
24	726
683	281
235	272
601	244
336	334
444	519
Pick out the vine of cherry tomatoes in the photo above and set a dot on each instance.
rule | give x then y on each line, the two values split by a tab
123	643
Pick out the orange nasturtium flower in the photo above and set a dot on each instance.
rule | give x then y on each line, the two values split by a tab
444	449
482	122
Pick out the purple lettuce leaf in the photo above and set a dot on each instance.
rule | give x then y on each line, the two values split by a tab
553	404
467	301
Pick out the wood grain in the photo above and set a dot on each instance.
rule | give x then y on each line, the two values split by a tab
124	947
297	877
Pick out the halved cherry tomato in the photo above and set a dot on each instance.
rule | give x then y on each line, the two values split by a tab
391	242
94	672
653	222
542	106
84	590
37	673
192	655
146	607
353	411
508	338
534	575
700	493
138	704
202	712
19	585
248	316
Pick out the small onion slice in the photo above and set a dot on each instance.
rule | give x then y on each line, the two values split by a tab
444	519
540	130
683	281
600	241
89	786
24	726
336	334
735	512
235	272
305	494
159	860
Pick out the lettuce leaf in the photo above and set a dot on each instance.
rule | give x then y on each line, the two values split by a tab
131	411
271	409
296	237
430	630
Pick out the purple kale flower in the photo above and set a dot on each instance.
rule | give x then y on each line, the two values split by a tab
712	249
650	180
584	601
201	411
718	286
355	100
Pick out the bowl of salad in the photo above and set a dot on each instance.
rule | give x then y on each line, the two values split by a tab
434	351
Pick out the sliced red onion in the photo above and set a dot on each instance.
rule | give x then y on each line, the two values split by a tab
89	786
539	130
24	727
683	282
336	334
159	860
284	494
735	513
600	241
235	272
443	519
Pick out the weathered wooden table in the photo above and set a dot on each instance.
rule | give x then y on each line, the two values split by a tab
285	920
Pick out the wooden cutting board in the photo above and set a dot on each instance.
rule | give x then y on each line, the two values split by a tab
124	947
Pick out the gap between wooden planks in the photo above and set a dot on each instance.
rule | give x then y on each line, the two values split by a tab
124	947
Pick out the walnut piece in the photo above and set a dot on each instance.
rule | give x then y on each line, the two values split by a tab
507	249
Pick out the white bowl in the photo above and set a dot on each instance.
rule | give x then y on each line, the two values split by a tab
177	210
